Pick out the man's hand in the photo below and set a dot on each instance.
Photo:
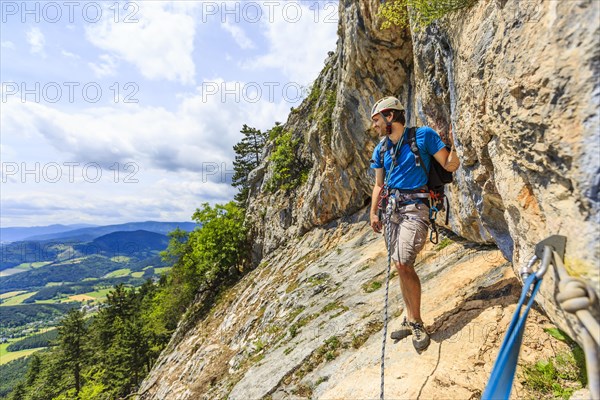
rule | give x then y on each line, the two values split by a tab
449	138
376	223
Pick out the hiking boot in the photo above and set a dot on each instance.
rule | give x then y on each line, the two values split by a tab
420	337
403	332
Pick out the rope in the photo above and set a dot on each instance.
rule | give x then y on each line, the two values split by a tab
576	297
503	372
387	288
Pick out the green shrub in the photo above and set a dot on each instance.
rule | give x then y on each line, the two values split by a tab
421	12
371	287
289	170
560	375
443	244
326	123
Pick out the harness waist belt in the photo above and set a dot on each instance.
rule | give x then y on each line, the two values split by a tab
409	195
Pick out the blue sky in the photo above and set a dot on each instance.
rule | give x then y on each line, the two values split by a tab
128	111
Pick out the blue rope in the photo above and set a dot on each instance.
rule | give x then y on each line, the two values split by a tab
503	373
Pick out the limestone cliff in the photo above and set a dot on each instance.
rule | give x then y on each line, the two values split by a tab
518	82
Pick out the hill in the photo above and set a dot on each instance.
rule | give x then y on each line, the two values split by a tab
14	234
71	262
91	233
135	243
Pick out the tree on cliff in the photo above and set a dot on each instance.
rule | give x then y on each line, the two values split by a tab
248	156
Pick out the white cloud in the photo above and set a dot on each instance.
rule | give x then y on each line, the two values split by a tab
202	130
238	35
107	66
68	54
299	48
160	44
7	45
175	152
36	40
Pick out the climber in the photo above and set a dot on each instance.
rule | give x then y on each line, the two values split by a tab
406	184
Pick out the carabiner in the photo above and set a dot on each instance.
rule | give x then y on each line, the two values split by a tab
528	269
434	230
433	213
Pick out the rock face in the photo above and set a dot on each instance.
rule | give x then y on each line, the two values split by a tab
519	84
307	323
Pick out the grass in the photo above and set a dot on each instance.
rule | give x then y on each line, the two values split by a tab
318	279
328	351
292	286
99	294
8	295
16	300
118	273
120	259
372	286
559	376
138	274
159	271
8	356
443	244
372	327
50	284
28	266
81	297
295	328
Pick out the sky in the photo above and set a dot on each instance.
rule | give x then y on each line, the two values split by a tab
114	112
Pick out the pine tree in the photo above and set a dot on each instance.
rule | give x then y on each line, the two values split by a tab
72	340
248	156
19	392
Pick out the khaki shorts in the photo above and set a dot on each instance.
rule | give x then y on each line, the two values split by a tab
408	229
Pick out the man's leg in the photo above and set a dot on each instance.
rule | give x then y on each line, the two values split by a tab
410	285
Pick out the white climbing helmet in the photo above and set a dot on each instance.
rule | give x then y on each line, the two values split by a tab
387	103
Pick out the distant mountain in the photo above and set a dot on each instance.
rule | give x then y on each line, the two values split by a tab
13	234
74	262
87	234
130	243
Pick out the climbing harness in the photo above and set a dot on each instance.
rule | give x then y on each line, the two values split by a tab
574	297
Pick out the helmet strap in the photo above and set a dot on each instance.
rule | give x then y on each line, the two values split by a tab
388	124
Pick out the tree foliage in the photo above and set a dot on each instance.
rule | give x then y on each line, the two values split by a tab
248	156
110	355
421	12
289	169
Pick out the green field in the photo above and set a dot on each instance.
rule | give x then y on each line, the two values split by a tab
118	273
99	294
7	356
13	301
28	266
159	271
49	284
120	259
138	274
8	295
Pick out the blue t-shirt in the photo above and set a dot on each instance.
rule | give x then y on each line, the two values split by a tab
406	174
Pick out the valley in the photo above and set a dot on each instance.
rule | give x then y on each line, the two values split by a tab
42	278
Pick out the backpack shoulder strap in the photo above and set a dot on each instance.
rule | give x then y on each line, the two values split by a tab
412	140
382	149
